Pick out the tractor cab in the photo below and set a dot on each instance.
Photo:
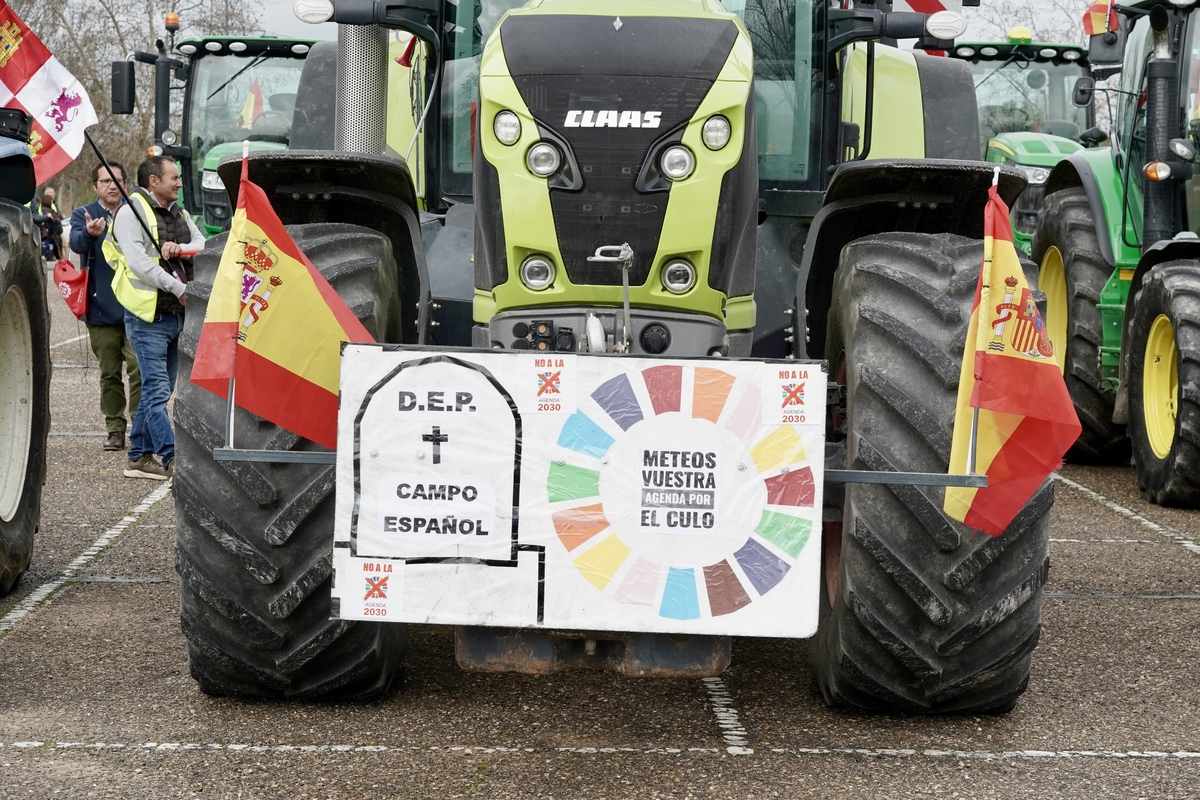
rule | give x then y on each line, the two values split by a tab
1026	115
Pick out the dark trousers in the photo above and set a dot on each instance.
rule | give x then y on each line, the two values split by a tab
113	348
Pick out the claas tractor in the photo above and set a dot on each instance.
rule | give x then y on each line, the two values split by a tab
1116	249
1027	118
24	352
717	189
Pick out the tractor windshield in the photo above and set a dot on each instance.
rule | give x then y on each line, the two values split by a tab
1022	94
235	97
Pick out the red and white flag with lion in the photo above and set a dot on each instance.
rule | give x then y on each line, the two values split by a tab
32	80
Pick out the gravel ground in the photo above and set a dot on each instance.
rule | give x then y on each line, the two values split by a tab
97	701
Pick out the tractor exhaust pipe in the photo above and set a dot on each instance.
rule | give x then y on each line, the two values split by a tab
1162	73
360	113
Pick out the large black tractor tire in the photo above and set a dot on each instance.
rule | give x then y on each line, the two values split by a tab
24	390
1164	384
254	540
917	613
1072	272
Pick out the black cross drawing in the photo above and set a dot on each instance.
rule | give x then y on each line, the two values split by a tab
437	437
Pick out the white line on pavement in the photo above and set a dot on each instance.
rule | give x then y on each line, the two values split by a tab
875	752
69	341
727	717
1174	536
39	595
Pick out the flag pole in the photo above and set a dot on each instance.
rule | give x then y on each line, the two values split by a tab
972	449
230	406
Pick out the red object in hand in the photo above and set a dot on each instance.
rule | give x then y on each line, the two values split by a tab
185	250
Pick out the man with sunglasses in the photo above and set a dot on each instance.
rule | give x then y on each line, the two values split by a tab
105	317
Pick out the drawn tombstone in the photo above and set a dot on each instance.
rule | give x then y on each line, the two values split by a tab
437	445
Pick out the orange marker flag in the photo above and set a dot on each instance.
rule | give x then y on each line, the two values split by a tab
1100	18
1026	418
275	324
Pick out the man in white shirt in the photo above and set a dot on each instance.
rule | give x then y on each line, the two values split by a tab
152	291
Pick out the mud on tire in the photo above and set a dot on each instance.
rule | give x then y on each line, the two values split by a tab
254	541
24	390
918	613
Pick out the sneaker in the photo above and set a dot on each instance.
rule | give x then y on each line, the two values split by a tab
170	468
146	467
115	441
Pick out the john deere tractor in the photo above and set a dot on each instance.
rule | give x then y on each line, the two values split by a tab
1026	114
632	180
24	353
235	89
1116	244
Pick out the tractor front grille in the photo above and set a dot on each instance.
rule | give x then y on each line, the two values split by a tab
1025	210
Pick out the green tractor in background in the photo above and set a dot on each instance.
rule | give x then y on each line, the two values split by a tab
1119	259
1026	115
235	89
682	179
24	353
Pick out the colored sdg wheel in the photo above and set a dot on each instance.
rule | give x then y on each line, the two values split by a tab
668	492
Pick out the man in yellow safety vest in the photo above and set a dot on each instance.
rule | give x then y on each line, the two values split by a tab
150	275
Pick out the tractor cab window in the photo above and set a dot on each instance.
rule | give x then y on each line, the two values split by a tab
469	23
1019	94
235	98
786	96
1191	108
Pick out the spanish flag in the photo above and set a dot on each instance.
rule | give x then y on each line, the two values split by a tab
1100	18
252	107
1026	418
275	325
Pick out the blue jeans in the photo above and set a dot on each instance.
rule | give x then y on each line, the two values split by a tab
157	347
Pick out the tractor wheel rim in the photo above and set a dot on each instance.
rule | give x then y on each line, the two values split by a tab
16	399
1160	386
1052	280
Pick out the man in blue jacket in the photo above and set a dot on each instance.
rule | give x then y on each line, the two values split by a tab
105	316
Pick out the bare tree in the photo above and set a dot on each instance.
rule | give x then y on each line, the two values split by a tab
86	36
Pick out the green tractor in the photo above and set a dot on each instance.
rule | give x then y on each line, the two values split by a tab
767	184
1117	254
235	89
24	353
1026	115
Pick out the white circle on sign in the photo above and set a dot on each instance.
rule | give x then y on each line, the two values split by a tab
673	493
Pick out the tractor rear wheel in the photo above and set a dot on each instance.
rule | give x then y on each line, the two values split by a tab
1164	384
1072	272
24	390
918	613
254	541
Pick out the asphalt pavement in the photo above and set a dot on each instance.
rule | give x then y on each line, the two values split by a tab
96	699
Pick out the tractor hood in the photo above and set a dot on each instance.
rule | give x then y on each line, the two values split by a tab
1032	149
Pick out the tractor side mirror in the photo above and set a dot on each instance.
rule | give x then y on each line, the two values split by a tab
1085	91
122	87
1093	136
1108	47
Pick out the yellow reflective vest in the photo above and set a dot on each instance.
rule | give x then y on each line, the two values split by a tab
138	297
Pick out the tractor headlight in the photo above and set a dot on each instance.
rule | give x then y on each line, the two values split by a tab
1035	175
543	159
678	276
507	127
537	272
945	25
677	162
989	51
716	132
168	137
209	179
1071	55
964	52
